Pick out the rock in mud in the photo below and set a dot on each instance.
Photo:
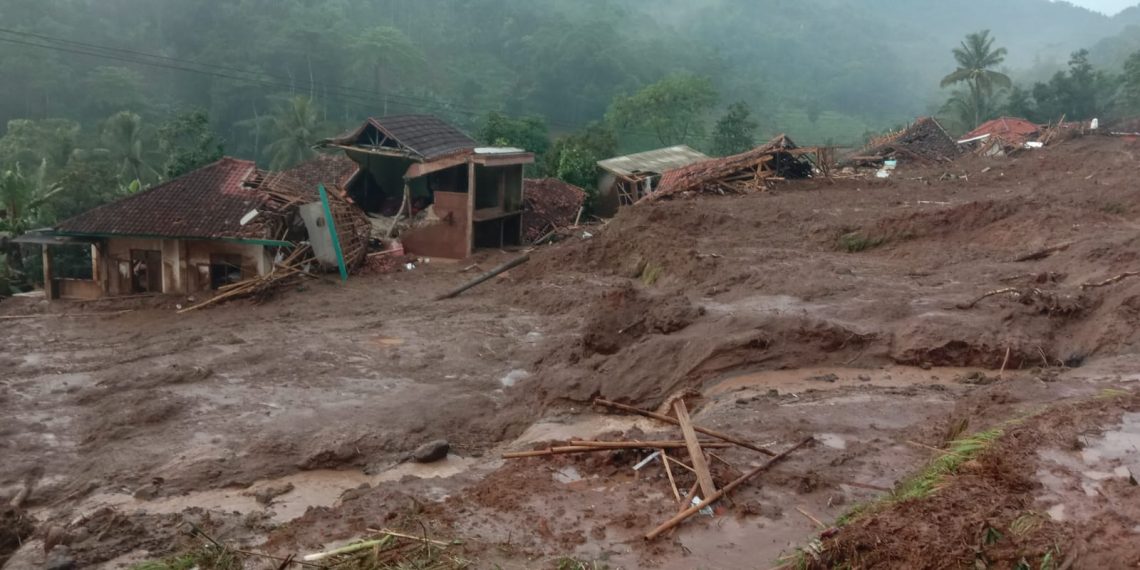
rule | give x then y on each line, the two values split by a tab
829	378
268	494
59	559
431	451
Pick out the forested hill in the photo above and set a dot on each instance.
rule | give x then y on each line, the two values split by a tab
821	68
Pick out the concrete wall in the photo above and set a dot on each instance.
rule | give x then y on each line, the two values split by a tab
254	261
78	289
446	238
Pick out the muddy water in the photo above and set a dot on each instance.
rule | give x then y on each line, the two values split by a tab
824	378
1072	478
318	488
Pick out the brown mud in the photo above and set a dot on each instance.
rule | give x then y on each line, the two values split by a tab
761	307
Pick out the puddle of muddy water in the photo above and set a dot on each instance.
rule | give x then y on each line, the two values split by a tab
1073	480
317	488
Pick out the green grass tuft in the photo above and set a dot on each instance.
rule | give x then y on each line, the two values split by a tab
930	479
651	273
855	242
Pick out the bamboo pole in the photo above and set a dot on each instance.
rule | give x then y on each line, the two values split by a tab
667	419
696	454
727	488
484	277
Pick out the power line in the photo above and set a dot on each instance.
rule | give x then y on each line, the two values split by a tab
344	93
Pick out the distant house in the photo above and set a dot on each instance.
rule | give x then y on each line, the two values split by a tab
626	179
196	232
924	140
412	163
1010	130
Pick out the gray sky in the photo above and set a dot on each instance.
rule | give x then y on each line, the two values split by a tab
1109	7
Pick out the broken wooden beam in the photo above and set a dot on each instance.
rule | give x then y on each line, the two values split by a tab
696	453
486	276
592	446
667	419
727	488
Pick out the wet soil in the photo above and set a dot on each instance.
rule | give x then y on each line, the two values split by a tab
750	305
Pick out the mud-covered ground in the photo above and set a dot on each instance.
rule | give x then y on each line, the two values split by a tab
836	310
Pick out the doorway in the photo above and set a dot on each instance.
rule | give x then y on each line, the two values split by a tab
224	269
146	271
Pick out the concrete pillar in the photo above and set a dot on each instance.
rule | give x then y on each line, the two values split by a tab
49	291
470	207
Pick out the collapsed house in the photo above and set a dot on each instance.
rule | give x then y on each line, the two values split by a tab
1000	136
451	195
751	171
626	179
550	205
209	229
924	140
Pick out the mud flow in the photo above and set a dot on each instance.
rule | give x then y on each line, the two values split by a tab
292	426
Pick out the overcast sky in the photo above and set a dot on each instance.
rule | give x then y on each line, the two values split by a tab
1109	7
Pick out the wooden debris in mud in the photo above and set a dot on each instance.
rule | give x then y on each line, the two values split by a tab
1043	253
696	453
484	277
578	446
685	514
1110	280
281	274
661	417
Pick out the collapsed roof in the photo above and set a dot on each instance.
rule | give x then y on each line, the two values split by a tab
208	203
652	161
419	137
924	140
549	204
1012	130
748	171
328	169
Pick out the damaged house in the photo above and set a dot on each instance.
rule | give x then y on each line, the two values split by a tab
199	231
750	171
456	195
222	224
924	140
626	179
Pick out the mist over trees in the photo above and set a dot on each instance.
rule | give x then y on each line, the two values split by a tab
101	98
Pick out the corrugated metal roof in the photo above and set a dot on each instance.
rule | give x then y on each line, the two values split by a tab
656	161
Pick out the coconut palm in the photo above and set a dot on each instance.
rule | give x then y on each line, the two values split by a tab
976	57
293	127
124	136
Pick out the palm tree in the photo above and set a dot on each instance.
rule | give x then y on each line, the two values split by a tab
976	56
294	127
125	138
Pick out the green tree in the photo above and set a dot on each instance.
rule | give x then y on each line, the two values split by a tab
735	131
294	127
130	144
673	109
391	55
528	133
29	141
22	199
1019	103
188	143
976	58
1130	84
574	158
111	88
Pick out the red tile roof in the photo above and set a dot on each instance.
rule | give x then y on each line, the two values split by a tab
332	170
207	203
1009	129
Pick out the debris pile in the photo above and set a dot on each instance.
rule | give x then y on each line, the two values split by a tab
923	141
751	171
284	272
704	490
287	193
550	205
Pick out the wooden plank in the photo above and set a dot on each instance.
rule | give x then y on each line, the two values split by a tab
670	420
696	454
727	488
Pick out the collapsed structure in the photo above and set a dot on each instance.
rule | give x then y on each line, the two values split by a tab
626	179
208	229
459	196
750	171
924	140
550	204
